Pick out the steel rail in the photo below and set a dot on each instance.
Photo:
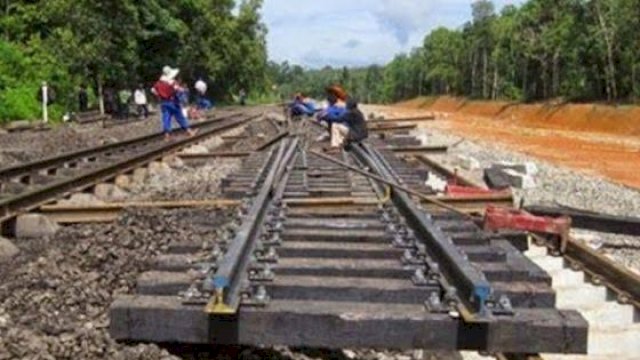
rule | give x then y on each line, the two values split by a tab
394	184
602	270
58	160
227	280
12	206
272	141
475	287
625	225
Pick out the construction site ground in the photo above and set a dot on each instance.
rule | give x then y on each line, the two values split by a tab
597	139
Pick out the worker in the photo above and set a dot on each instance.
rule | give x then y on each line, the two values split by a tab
351	128
302	106
140	98
124	97
201	89
243	97
182	93
336	108
165	90
83	98
109	101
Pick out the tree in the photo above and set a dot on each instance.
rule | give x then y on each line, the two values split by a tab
442	53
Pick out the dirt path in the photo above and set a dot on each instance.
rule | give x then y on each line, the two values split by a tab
615	157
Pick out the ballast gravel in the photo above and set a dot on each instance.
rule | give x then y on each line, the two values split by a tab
554	186
184	182
54	297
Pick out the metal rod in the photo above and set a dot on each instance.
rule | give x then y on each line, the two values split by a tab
273	140
394	185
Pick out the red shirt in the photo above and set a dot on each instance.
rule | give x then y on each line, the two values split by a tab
164	90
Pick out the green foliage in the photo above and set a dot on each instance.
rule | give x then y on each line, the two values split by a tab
21	75
573	49
19	103
120	43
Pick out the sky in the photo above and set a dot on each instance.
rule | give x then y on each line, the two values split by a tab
315	33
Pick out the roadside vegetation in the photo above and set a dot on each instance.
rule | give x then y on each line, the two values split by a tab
119	43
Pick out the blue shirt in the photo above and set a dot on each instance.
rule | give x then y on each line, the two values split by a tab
333	114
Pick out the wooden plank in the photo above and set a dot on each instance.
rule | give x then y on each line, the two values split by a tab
214	155
327	324
430	117
418	149
469	204
329	201
392	128
74	214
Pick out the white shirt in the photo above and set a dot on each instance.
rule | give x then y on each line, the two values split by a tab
140	97
201	86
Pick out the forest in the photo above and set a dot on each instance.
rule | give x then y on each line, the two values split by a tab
120	43
566	50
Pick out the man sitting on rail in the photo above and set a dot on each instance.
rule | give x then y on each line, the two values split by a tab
166	90
333	113
352	127
302	106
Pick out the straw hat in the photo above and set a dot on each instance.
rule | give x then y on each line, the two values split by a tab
169	73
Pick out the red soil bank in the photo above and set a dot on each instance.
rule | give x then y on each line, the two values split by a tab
618	120
599	139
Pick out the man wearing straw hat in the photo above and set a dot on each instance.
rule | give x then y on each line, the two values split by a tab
165	90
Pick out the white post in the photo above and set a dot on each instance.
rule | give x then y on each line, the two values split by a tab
45	100
100	97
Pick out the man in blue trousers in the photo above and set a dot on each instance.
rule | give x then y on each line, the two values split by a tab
165	90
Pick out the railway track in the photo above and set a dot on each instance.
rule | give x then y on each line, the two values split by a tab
24	187
337	250
324	257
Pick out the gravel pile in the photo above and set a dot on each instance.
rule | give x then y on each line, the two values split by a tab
55	305
185	183
556	186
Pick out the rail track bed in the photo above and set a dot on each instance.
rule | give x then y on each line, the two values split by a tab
320	256
24	187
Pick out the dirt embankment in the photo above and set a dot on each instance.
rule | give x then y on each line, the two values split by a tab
598	139
616	120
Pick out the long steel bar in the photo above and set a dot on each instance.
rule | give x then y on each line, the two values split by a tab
460	271
616	277
395	185
26	201
273	140
228	277
34	166
592	221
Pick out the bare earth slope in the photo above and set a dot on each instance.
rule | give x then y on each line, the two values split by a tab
600	140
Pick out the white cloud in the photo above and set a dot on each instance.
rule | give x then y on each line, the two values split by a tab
356	32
